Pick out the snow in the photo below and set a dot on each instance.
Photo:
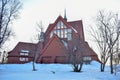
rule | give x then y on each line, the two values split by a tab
55	72
65	43
24	51
74	29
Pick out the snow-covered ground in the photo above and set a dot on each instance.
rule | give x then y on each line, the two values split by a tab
62	72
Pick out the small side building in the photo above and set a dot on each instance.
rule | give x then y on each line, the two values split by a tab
22	53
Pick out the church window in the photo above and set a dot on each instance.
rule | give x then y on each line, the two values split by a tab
55	32
69	34
59	25
58	33
69	31
62	33
62	25
65	33
51	34
55	27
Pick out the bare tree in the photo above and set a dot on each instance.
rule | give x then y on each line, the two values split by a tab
116	62
9	10
116	55
35	58
39	38
106	34
39	29
3	57
76	55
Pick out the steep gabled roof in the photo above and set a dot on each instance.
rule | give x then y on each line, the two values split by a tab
87	50
51	26
78	26
22	46
26	45
54	37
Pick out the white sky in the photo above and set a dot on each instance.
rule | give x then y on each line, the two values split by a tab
47	11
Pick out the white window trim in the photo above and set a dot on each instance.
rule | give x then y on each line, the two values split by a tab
23	59
87	58
24	52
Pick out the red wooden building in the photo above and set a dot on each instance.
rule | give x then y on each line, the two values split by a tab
22	53
55	46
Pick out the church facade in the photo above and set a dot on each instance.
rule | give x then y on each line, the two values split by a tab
59	44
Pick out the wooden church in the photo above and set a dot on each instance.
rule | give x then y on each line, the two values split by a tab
62	41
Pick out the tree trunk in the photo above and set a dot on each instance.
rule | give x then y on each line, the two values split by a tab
81	64
111	64
34	62
102	67
34	66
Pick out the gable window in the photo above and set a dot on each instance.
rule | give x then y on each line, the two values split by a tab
59	25
61	31
87	58
51	34
58	33
23	59
55	28
69	33
55	32
62	25
65	33
24	53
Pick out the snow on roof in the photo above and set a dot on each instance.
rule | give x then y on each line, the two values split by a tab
65	44
74	29
25	51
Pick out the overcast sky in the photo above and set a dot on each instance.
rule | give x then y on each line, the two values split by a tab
47	11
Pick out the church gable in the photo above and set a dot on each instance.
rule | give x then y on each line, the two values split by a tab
64	29
54	49
61	28
59	23
54	44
